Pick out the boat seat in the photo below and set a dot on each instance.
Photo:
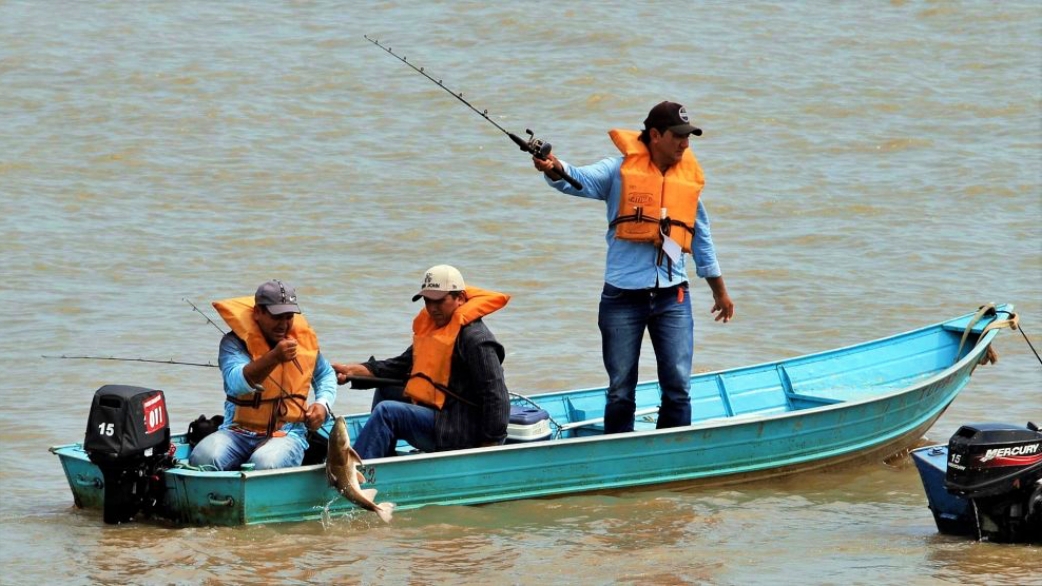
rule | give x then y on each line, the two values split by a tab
828	396
583	408
598	428
644	420
960	325
735	418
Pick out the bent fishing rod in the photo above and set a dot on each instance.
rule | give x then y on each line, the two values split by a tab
533	146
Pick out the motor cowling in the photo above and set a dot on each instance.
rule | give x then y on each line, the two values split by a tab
999	468
128	439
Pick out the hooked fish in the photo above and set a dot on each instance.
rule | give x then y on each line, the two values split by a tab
341	470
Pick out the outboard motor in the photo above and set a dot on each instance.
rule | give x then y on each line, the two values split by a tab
998	469
128	438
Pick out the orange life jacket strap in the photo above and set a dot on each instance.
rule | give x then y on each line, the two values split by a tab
637	216
256	400
665	223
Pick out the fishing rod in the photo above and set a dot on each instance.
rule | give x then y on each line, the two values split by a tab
374	380
148	360
206	317
122	359
220	329
533	146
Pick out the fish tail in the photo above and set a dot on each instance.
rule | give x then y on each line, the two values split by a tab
384	510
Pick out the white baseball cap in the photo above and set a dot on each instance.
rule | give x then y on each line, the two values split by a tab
439	281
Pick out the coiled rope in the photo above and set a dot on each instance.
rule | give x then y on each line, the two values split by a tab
1012	322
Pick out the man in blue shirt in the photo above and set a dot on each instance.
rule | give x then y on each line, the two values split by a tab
269	362
655	222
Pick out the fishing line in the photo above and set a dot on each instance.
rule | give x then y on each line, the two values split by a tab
122	359
533	146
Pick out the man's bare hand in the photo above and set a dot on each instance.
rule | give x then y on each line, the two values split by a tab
345	371
285	350
315	416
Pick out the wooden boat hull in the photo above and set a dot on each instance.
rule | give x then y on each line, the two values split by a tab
777	418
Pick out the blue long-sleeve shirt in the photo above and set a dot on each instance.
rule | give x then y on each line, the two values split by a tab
234	356
634	265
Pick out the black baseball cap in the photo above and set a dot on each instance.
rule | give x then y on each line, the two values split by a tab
673	117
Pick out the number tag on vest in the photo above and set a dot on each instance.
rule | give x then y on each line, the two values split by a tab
672	249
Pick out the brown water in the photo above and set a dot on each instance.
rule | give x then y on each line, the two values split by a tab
871	168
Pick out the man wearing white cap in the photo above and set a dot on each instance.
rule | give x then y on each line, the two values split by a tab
269	362
455	394
655	221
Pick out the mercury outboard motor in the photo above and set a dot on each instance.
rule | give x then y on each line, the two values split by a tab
998	469
128	438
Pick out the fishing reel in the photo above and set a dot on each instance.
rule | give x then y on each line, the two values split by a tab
533	146
541	150
536	147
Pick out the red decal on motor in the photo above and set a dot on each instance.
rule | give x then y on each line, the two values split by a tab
155	414
1015	461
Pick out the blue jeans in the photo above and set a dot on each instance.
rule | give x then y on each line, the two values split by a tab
624	315
227	450
391	421
388	394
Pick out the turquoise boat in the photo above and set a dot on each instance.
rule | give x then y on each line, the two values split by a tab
868	400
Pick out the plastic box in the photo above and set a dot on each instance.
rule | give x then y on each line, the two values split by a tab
527	424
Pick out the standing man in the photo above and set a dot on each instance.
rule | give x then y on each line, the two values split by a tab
269	361
655	220
453	373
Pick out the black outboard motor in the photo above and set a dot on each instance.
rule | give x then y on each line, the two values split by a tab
998	469
128	438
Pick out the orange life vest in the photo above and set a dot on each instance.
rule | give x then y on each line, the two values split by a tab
432	346
652	203
285	394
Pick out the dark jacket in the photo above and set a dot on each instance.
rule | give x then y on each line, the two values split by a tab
477	378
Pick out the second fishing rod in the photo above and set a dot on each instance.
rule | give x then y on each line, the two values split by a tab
533	146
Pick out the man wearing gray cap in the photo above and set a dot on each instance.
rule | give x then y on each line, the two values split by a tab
269	361
455	395
655	221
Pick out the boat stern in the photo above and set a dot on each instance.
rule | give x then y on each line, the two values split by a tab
952	514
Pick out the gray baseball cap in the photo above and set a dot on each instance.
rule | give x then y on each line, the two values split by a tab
277	297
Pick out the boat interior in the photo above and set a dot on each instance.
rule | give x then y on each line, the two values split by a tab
852	373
